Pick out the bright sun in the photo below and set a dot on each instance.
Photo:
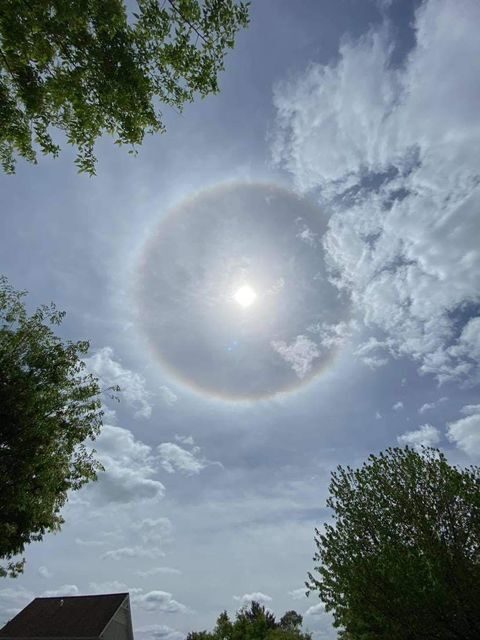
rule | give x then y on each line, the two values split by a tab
245	296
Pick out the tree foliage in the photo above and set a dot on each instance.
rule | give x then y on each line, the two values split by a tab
254	623
49	406
402	559
92	67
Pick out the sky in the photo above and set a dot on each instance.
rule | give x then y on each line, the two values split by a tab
334	181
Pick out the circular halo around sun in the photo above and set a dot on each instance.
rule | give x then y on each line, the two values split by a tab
233	294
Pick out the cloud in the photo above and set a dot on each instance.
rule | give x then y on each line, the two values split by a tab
112	373
306	234
169	398
258	596
426	435
89	543
159	632
431	405
316	610
372	353
470	409
114	586
159	601
300	354
393	153
44	572
465	433
154	530
188	440
398	406
129	465
133	552
12	600
64	590
298	594
155	571
335	335
175	458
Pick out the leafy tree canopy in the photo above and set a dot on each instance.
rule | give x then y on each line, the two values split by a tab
92	67
402	559
49	406
254	623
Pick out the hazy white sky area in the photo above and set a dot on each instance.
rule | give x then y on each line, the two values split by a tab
287	280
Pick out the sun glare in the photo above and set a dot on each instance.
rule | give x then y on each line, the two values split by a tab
245	296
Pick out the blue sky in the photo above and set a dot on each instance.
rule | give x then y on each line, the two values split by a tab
363	116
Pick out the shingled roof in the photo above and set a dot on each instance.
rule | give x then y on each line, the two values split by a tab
80	617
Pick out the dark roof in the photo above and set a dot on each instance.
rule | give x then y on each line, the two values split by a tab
69	617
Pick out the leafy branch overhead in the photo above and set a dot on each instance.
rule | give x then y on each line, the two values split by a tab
92	67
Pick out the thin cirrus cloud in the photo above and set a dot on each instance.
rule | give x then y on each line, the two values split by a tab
133	552
393	154
155	571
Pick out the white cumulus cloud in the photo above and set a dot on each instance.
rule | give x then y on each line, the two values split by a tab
113	373
174	458
426	435
393	154
129	466
465	434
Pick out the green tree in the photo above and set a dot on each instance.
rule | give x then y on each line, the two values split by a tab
49	407
254	623
92	67
402	559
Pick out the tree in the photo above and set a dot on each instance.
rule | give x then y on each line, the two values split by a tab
254	623
90	67
49	407
402	559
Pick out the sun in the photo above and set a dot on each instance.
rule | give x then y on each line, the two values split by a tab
245	296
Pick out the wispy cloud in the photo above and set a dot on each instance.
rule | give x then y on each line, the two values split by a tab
159	601
428	406
300	354
155	571
133	552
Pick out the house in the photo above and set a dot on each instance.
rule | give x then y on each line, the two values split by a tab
105	617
